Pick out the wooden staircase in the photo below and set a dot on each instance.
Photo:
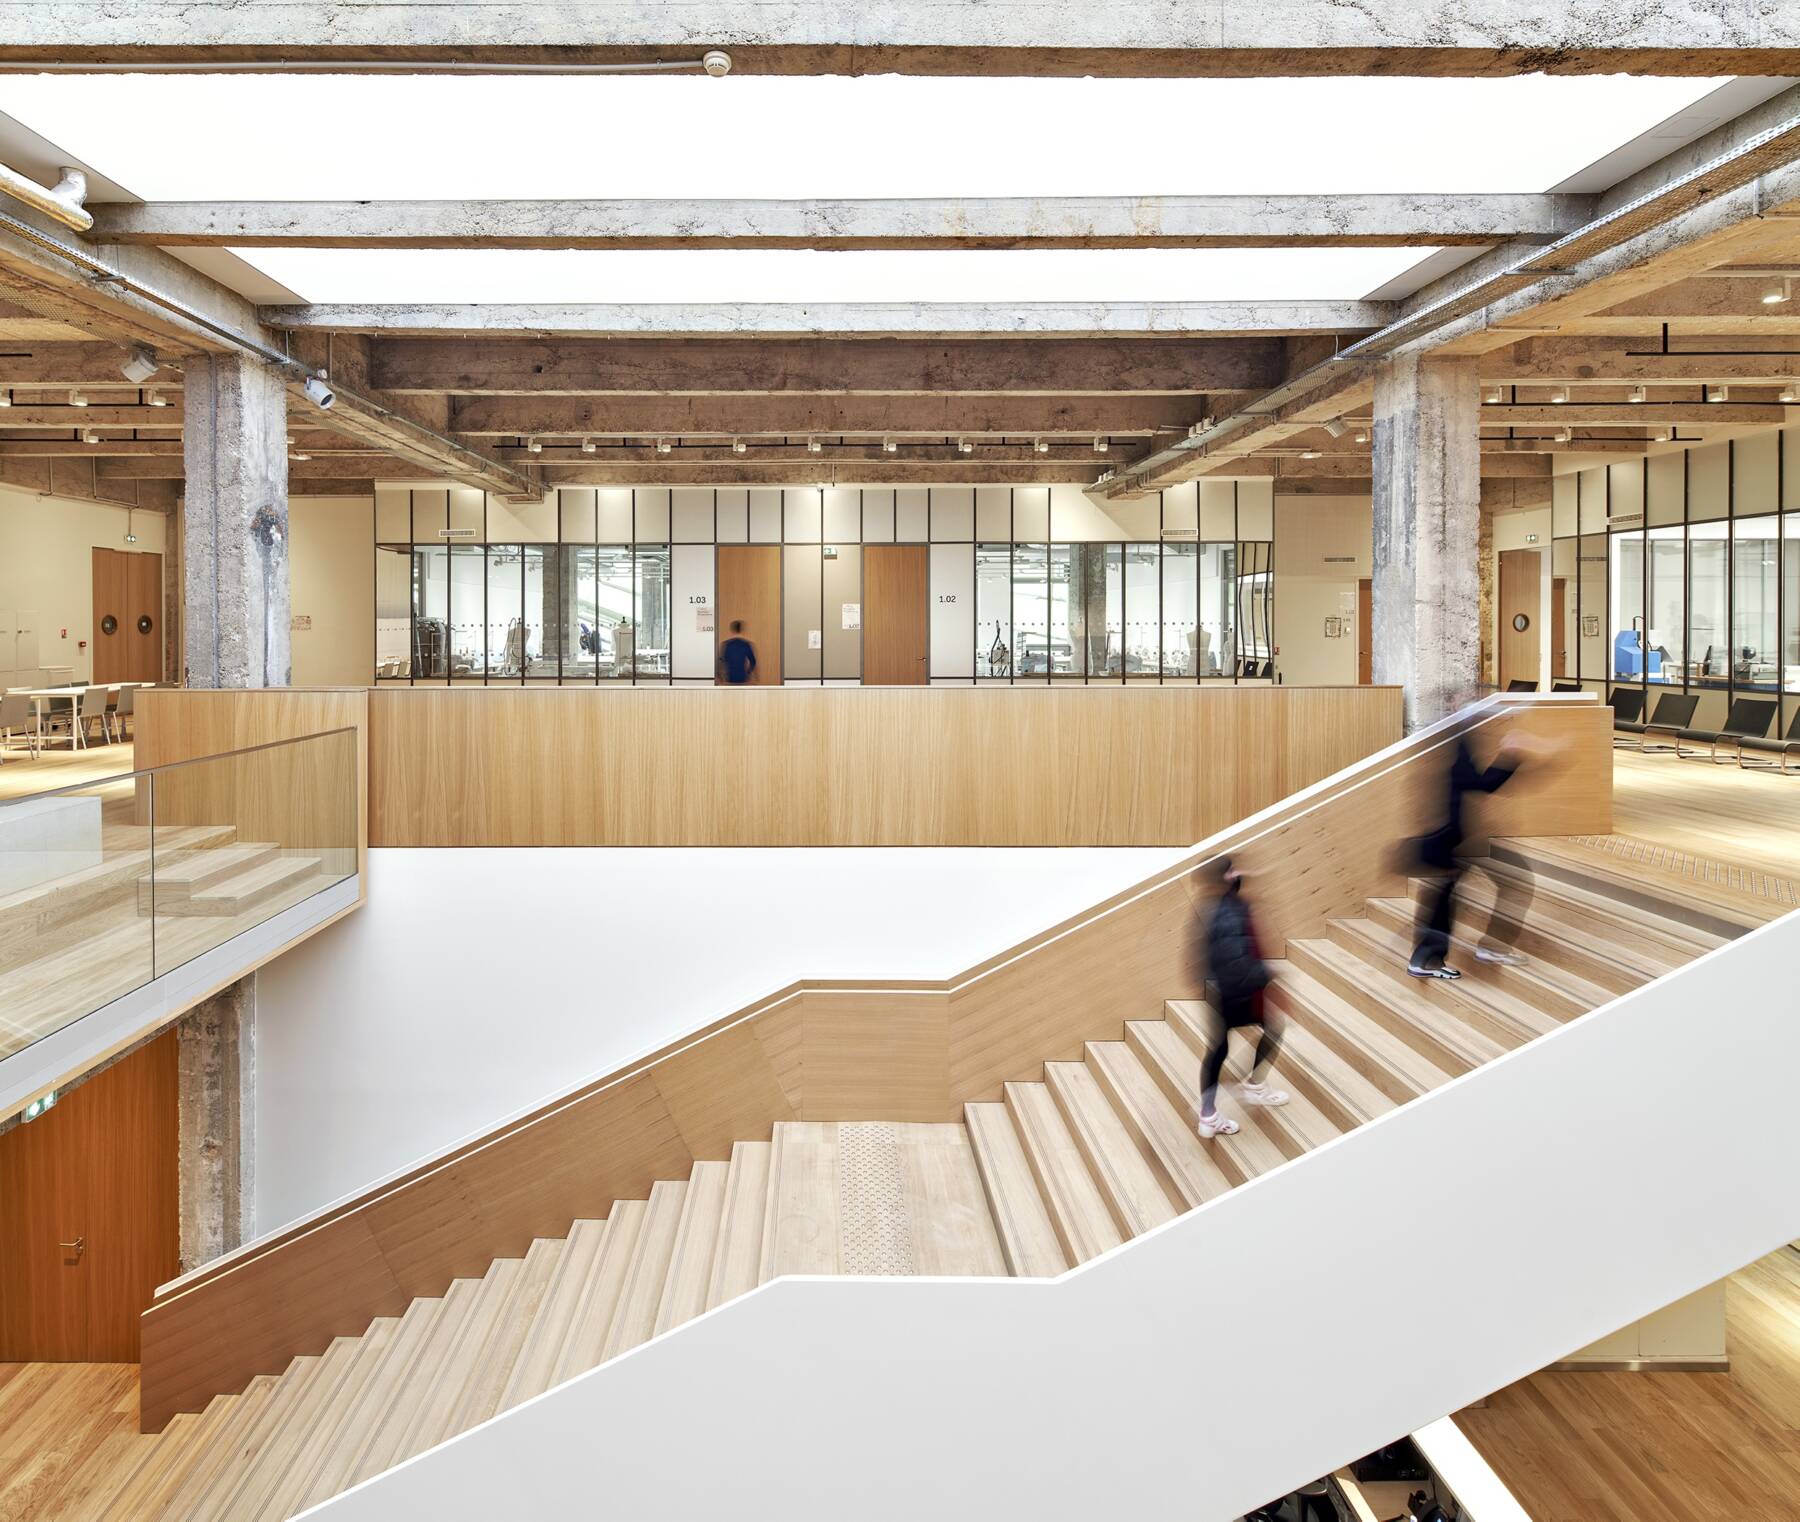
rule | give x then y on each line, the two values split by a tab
1049	1174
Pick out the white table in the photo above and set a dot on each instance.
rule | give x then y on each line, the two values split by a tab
41	697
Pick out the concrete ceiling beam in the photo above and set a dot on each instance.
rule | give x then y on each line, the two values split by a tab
1235	221
91	365
168	467
789	473
1698	361
703	367
1577	413
789	416
99	413
837	319
1228	38
972	464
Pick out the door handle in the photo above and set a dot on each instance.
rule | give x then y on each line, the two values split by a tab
78	1246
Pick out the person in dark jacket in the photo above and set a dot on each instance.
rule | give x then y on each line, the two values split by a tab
737	656
1235	967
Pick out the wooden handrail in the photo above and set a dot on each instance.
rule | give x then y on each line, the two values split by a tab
819	1050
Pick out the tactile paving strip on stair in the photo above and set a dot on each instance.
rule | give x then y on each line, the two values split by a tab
1645	853
874	1229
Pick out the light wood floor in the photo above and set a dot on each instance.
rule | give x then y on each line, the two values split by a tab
1664	1447
57	1422
21	773
1745	817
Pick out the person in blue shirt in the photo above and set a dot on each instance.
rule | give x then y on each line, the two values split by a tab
737	656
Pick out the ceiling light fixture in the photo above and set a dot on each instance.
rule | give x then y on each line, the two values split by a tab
6	398
301	454
815	446
534	446
588	446
1099	444
1718	393
1665	435
1493	396
738	446
78	399
1782	291
1560	395
964	447
663	446
1336	427
155	398
140	364
89	436
1041	446
130	533
1637	394
1312	454
1790	392
1361	436
318	393
1565	435
890	446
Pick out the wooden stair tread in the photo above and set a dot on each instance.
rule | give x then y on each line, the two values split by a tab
1027	1236
1409	1009
382	1440
123	1493
436	1397
1078	1211
1127	1181
535	1367
198	868
1375	1052
949	1225
737	1263
1165	1137
294	1422
642	1291
800	1228
239	892
216	1457
696	1241
1689	901
500	1350
586	1342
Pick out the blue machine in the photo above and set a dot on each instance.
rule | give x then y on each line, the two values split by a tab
1628	655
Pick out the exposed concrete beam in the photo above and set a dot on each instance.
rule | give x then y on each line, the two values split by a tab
74	364
701	367
77	479
1696	362
164	467
99	413
790	416
305	486
1575	413
849	473
836	319
1229	37
1089	462
1240	221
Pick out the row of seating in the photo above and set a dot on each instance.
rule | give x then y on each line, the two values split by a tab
1746	728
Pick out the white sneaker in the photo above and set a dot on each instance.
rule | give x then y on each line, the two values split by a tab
1500	956
1261	1094
1216	1124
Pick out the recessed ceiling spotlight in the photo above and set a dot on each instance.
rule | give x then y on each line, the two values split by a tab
1336	427
1637	394
1041	446
964	447
534	446
738	446
1781	291
1560	395
815	446
155	398
588	446
1718	393
663	446
890	446
78	399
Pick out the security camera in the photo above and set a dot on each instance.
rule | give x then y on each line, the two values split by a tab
319	394
717	62
140	364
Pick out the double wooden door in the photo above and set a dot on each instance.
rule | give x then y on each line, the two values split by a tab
128	635
88	1214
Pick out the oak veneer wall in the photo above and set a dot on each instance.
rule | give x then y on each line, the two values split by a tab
817	1051
823	766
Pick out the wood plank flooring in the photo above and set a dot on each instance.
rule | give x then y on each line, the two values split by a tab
21	774
1750	819
1653	1447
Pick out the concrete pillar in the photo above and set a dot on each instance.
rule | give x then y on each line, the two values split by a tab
234	515
1490	655
217	1065
1427	525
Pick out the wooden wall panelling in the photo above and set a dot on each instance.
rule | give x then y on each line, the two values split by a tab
897	1051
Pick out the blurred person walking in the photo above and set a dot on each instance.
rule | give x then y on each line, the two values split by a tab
1235	966
737	657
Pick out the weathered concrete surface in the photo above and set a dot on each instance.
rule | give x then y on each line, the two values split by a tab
1223	37
1234	221
1426	512
896	319
235	525
217	1131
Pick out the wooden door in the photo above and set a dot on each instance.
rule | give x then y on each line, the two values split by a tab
1559	633
1365	631
896	611
1521	597
144	601
750	592
98	1167
112	600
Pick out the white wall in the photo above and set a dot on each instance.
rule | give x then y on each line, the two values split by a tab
1226	1356
47	570
332	583
1322	548
478	982
1528	529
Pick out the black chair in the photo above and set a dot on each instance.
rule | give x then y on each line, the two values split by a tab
1788	745
1519	684
1674	713
1628	714
1565	686
1748	720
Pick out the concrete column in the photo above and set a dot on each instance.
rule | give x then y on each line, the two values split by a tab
217	1064
1427	526
234	514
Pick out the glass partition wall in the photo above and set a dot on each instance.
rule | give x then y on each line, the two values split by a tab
579	605
1682	573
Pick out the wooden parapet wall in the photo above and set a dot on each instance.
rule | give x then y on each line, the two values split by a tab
827	1051
823	766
